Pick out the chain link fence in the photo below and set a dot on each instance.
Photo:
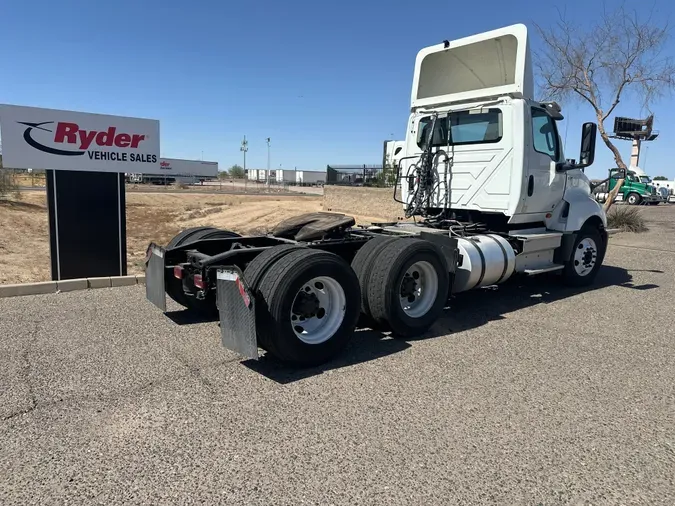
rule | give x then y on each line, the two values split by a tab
22	178
13	181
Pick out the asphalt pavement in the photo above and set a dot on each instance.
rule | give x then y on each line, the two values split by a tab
528	394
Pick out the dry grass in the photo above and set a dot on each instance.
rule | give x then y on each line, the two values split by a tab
626	218
24	239
24	234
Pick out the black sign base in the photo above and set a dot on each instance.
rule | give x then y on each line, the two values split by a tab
87	224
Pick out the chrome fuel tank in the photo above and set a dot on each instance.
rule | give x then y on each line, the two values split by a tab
487	259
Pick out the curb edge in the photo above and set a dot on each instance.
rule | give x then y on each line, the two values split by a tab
69	285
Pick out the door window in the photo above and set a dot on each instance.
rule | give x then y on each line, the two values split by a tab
544	134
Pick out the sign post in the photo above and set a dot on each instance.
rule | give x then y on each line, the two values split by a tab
85	157
91	243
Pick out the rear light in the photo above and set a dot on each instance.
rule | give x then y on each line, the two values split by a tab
178	272
198	281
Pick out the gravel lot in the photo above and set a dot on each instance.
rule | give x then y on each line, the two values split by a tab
530	394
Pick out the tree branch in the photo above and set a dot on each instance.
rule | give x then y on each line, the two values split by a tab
619	54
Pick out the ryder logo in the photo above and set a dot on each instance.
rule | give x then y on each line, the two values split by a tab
81	141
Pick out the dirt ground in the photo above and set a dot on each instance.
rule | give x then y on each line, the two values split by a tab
24	233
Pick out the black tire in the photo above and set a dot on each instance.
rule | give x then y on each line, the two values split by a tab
215	233
197	233
635	197
255	271
257	268
174	287
570	276
184	235
385	282
276	295
363	264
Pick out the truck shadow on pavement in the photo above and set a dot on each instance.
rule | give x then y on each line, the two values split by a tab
465	311
479	307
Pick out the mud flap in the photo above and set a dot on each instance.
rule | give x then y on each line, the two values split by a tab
154	276
236	306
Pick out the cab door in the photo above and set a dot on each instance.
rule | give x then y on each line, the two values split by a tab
544	186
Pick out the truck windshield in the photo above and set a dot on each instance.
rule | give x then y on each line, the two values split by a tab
462	127
645	179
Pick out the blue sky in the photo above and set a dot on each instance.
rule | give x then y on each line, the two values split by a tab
327	81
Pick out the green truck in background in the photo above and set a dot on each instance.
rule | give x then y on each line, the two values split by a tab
635	190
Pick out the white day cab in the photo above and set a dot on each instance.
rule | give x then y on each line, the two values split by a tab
483	173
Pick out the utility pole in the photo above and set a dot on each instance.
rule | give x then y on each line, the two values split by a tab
244	148
268	161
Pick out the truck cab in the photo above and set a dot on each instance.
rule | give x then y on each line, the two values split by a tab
497	151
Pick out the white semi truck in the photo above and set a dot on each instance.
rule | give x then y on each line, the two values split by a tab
483	173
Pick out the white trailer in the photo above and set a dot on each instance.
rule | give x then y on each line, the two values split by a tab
310	177
285	176
493	197
179	170
257	175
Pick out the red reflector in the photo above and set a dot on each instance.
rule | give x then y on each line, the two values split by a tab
178	272
242	292
548	215
198	281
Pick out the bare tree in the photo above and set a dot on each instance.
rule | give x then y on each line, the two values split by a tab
602	63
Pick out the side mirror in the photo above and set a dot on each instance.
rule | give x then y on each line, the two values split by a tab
587	153
619	174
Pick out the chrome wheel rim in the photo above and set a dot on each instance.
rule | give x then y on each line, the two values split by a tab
418	289
585	256
318	310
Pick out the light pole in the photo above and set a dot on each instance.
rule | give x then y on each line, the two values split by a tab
268	160
244	148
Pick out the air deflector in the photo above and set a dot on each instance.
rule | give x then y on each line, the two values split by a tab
490	64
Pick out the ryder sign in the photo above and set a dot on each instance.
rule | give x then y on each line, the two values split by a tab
35	138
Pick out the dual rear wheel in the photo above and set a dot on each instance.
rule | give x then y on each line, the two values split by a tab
404	284
307	303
